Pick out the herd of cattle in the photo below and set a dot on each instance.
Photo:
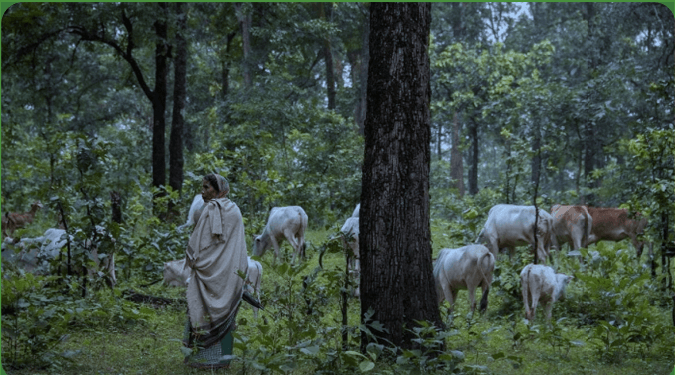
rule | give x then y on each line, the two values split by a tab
468	267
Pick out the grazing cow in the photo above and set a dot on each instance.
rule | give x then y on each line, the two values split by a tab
465	268
12	221
284	222
197	203
350	238
571	224
357	210
542	283
613	224
510	226
36	253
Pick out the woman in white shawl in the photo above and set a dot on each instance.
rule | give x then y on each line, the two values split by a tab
216	257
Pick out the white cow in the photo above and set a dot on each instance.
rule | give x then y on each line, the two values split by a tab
197	203
357	210
36	253
542	283
284	222
510	226
465	268
350	238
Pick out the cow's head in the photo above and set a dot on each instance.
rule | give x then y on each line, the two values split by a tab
258	245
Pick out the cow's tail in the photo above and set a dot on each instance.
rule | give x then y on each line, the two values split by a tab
486	282
480	236
587	230
524	283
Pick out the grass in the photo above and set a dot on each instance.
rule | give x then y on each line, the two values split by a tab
152	346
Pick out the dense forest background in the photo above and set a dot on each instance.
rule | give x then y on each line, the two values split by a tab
146	98
113	112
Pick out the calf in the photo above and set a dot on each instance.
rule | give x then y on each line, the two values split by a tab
284	222
176	273
510	226
12	221
613	224
465	268
350	238
197	203
542	283
571	224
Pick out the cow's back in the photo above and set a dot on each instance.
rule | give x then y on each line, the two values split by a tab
611	224
456	266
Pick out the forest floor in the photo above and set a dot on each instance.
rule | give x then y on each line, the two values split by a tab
489	342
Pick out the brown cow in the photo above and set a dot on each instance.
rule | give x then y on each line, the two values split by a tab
571	224
613	224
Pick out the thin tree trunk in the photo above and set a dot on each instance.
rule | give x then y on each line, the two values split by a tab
245	26
456	159
473	172
397	283
328	58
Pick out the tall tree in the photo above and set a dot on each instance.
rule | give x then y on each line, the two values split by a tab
179	94
98	32
397	281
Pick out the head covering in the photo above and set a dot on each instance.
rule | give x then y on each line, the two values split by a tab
223	186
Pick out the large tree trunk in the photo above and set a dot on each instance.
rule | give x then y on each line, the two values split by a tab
397	282
179	93
456	162
159	101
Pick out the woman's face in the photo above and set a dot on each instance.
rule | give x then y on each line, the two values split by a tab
208	192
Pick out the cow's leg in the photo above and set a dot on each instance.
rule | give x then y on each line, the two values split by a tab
484	299
524	282
472	298
275	246
535	301
548	308
295	243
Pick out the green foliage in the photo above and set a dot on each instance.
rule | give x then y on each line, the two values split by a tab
41	311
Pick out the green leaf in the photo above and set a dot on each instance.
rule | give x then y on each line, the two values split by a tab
366	366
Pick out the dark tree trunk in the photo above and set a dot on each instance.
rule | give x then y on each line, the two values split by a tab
536	159
456	161
328	58
159	101
116	206
179	94
473	172
358	60
397	282
245	27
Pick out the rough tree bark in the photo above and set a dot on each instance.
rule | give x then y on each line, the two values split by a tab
397	281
